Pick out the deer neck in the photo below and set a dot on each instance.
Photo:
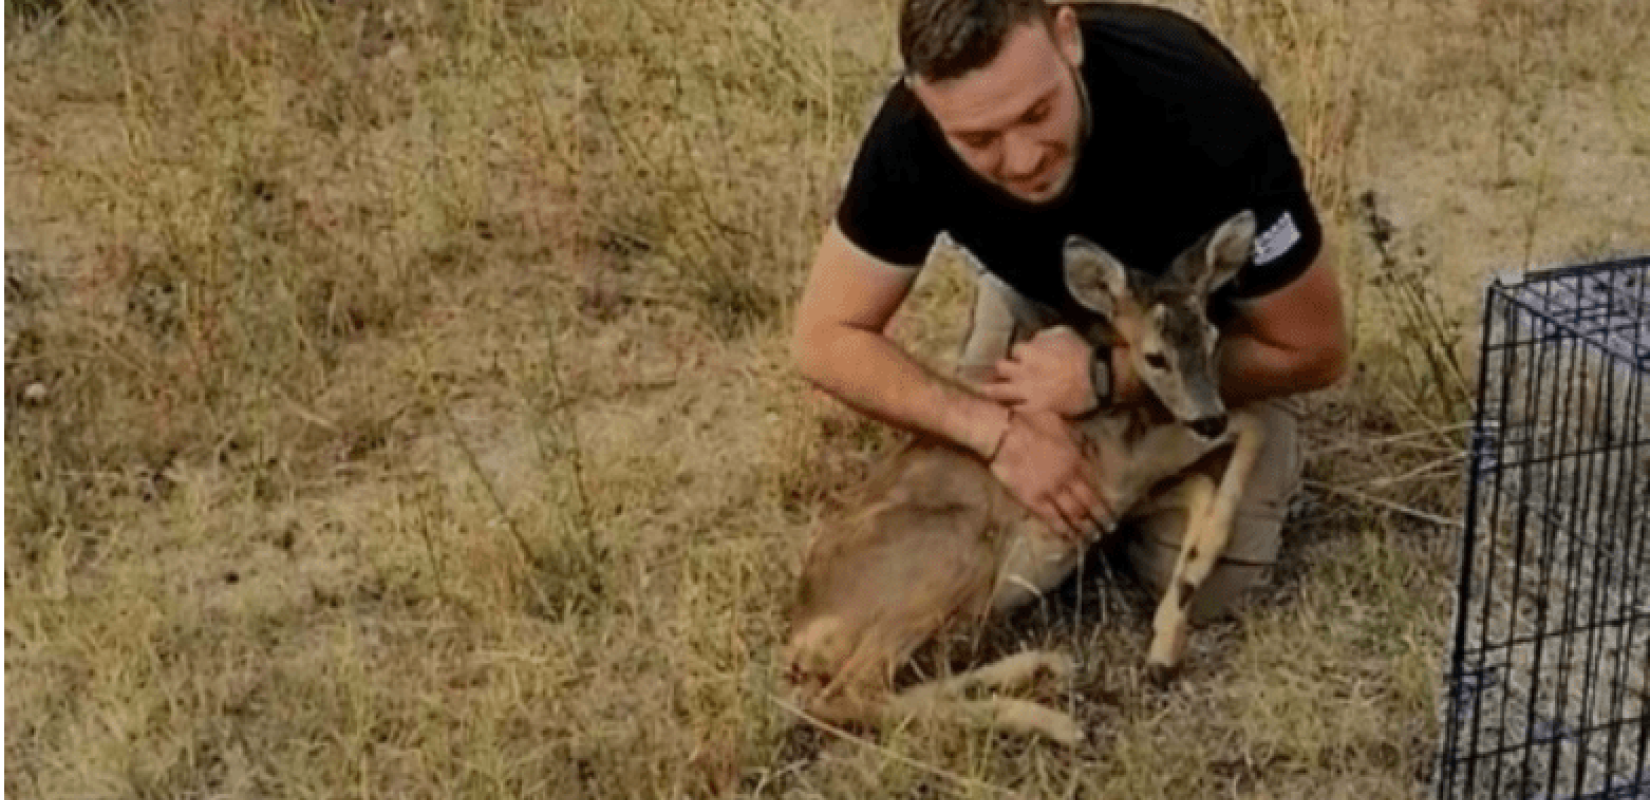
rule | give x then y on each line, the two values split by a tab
1135	447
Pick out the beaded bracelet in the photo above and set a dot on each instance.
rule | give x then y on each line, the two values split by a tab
1001	437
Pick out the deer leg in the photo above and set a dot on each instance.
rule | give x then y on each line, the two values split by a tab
1013	672
1209	518
991	329
1022	717
1169	626
1014	716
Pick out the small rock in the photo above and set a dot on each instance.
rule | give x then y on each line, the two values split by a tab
34	393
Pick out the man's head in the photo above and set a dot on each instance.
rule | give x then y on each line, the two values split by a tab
999	76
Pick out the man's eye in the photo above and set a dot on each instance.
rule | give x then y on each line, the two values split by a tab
1035	115
1157	361
976	142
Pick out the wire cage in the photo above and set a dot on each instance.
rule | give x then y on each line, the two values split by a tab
1546	679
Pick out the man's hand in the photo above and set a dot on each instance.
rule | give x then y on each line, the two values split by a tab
1042	464
1048	373
1051	372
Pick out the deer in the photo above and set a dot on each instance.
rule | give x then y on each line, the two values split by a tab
932	542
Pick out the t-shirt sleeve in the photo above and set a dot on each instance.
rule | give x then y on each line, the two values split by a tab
1288	239
887	206
1288	235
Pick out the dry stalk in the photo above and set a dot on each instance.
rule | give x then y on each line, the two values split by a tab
960	780
529	556
1413	513
1441	432
1423	322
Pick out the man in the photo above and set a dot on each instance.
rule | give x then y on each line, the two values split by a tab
1015	125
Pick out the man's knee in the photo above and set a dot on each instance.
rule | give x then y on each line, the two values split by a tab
1222	594
1228	591
1154	542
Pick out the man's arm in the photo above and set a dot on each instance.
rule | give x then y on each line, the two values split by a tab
839	344
1289	341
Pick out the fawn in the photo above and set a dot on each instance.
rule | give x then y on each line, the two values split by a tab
935	541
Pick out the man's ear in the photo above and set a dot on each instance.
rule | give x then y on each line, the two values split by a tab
1067	36
1093	276
1230	248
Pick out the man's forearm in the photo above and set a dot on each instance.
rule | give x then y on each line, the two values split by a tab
874	376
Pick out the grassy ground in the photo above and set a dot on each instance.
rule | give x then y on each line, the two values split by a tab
397	401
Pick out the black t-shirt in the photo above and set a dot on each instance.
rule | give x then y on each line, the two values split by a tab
1182	139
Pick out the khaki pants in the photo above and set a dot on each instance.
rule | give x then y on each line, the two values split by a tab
1151	544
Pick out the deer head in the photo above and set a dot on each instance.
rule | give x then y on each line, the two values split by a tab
1163	318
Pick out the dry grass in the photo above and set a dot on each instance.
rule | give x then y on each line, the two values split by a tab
416	418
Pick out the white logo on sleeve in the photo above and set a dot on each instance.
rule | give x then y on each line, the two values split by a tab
1277	240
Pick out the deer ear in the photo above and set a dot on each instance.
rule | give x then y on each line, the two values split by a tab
1230	248
1094	276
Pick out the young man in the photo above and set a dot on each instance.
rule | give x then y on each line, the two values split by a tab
1017	124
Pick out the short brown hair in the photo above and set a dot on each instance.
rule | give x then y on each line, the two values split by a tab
944	39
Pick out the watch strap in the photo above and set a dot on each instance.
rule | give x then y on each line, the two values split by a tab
1100	377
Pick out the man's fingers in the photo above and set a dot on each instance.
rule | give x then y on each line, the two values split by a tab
1009	368
1074	514
1095	512
1055	518
1002	392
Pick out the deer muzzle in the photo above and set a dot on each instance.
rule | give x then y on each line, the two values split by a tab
1209	427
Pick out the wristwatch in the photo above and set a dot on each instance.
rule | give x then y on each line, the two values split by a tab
1100	377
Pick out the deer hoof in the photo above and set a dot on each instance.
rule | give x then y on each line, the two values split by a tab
1064	731
1161	675
1057	666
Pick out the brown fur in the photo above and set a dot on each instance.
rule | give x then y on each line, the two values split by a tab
922	552
934	541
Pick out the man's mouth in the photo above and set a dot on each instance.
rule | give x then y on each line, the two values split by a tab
1033	184
1039	182
1038	186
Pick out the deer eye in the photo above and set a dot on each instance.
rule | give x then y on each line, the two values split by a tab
1157	361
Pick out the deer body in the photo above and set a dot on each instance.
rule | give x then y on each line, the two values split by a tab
936	541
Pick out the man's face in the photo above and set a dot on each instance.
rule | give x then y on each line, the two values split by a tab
1016	120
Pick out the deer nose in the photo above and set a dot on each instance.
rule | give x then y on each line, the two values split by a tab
1210	427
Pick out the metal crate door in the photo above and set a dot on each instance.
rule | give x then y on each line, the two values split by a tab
1546	678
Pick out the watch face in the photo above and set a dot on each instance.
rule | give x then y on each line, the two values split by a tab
1100	376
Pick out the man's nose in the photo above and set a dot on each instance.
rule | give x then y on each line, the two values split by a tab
1021	155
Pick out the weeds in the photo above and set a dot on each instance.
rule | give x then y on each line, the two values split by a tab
397	400
1436	386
